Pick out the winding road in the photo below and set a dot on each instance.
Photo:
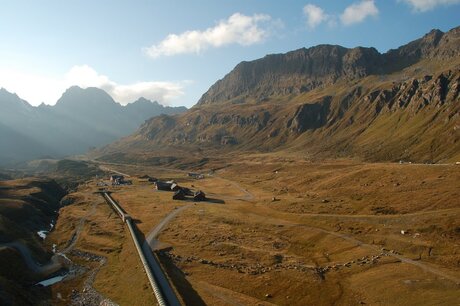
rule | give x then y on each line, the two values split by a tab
52	266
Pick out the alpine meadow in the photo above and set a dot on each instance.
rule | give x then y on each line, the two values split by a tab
243	153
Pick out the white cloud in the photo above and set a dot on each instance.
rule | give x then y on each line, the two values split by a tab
357	12
237	29
426	5
354	13
315	15
36	89
32	88
164	92
85	76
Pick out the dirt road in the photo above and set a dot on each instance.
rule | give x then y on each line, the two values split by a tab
151	237
266	218
52	266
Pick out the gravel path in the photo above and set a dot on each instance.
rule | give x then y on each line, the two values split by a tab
152	236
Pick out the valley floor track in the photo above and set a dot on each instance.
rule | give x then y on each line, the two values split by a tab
52	266
163	291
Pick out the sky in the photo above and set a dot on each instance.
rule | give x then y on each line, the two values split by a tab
173	51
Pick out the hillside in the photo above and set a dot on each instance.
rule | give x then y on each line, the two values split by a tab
325	101
81	119
28	208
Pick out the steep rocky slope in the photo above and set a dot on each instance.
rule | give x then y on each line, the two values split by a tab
305	69
327	101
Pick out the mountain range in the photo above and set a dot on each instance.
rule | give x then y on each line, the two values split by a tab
325	101
81	119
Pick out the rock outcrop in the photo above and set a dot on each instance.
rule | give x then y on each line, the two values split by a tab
306	69
328	101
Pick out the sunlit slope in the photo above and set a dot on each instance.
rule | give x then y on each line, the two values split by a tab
401	105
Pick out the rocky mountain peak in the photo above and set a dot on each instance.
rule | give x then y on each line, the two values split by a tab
144	101
12	100
304	69
76	96
409	112
82	118
433	37
294	72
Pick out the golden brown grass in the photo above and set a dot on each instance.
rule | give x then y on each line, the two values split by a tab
253	250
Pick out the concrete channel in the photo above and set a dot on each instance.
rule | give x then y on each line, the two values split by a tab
162	290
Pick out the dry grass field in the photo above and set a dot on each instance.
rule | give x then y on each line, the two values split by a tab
90	234
280	230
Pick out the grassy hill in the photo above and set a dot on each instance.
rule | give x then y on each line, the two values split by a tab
322	104
26	207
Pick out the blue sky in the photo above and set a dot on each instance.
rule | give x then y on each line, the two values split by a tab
173	51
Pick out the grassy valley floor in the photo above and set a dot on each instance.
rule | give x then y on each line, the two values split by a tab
278	230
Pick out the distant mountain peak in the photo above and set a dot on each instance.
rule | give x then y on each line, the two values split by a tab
74	88
87	90
12	99
143	100
81	118
76	96
5	92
